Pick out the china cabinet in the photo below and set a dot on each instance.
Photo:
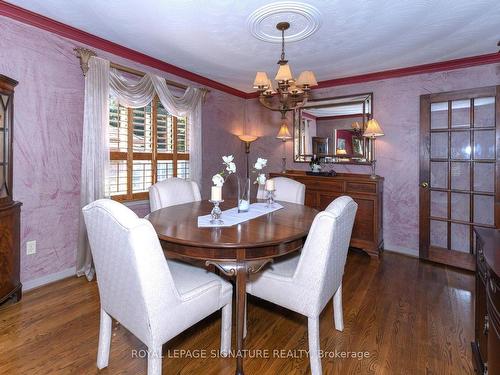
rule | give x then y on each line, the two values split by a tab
10	285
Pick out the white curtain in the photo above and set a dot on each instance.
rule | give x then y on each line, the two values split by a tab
136	94
100	83
95	152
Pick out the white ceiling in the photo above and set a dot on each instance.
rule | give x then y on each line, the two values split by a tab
212	38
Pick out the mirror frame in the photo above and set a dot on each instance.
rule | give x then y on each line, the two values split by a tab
317	103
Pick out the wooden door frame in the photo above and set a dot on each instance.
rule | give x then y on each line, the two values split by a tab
461	260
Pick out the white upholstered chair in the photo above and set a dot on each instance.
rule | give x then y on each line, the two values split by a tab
173	191
305	283
153	298
287	190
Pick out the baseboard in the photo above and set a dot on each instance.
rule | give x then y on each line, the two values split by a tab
47	279
402	250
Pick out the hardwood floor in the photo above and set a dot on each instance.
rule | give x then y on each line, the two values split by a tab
411	317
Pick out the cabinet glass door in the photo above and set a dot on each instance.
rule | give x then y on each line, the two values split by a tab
4	144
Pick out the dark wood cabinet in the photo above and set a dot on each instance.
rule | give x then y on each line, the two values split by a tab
367	233
486	345
10	283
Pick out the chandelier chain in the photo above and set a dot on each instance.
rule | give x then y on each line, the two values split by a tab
282	45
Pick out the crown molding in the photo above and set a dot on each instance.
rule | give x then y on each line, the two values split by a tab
69	32
465	62
66	31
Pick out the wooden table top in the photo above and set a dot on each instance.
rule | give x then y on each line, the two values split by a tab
179	225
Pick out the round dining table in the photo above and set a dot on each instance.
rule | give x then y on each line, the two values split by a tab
236	251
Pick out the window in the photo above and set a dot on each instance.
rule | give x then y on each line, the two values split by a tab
147	145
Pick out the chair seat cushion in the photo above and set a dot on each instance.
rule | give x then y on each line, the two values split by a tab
191	281
285	267
276	284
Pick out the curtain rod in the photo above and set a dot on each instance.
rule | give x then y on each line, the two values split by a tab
84	55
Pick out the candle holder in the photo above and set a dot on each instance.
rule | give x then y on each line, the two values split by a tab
270	198
216	213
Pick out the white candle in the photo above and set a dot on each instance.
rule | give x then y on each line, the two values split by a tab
270	185
216	193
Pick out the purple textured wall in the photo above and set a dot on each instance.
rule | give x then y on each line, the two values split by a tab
396	107
48	134
48	130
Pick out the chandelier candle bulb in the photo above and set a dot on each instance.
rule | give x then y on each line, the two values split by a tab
216	194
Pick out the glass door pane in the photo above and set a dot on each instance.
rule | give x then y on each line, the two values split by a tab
462	171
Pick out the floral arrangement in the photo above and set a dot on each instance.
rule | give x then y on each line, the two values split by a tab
258	167
244	194
229	168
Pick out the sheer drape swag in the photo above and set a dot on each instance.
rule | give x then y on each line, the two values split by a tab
102	82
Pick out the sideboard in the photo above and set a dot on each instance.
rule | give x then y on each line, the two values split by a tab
367	233
486	345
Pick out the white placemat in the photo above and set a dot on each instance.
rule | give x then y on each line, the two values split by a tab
232	217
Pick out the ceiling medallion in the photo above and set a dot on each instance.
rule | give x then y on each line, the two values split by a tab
304	19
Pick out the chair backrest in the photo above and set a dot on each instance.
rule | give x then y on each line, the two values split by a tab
173	191
287	190
135	284
323	257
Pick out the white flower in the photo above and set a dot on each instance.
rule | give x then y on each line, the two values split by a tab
218	180
231	167
261	179
260	163
228	159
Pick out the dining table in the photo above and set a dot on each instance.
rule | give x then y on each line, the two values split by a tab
237	251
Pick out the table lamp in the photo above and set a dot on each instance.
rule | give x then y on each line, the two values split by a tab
284	135
373	131
247	139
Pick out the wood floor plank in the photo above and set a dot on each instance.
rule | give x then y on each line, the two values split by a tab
411	317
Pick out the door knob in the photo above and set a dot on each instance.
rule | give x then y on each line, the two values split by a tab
424	184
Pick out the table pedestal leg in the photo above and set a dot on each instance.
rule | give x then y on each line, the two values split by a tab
241	281
240	269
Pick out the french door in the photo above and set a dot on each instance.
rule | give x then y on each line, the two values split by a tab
459	172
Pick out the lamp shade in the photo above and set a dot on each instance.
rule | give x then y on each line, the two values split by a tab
356	126
341	151
270	89
284	73
307	78
284	133
247	138
261	80
373	129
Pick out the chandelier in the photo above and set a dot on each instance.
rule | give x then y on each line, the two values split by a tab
291	93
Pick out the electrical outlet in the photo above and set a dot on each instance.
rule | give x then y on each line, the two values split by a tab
31	247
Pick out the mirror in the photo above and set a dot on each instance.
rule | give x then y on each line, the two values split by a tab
332	129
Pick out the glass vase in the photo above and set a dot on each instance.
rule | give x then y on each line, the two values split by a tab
243	194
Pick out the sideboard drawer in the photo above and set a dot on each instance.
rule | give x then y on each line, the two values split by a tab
323	183
361	187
